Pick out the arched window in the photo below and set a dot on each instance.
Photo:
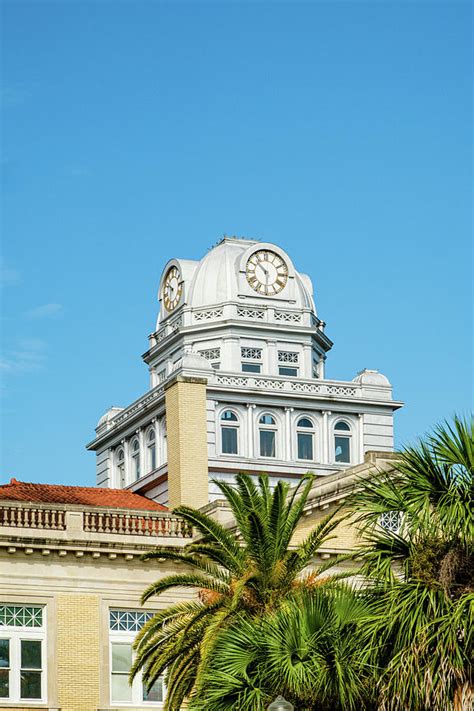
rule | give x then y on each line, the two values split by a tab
163	441
136	459
120	462
305	438
342	442
151	450
267	435
229	432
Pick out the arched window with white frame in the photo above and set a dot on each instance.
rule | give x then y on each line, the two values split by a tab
163	441
229	423
305	438
136	463
267	432
151	450
342	442
120	464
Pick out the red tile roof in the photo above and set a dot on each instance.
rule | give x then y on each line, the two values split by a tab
79	495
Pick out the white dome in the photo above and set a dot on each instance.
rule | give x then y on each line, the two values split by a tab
219	277
107	416
371	377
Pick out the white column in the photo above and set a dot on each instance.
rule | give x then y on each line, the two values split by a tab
326	438
250	430
288	453
270	365
141	438
361	437
321	366
306	367
126	455
230	354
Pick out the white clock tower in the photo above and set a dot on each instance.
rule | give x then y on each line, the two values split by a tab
237	383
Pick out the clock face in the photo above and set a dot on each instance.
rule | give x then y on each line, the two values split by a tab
267	272
172	289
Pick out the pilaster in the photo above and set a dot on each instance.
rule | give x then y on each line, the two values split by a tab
185	401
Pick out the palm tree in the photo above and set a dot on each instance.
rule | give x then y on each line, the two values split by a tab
247	571
311	649
423	571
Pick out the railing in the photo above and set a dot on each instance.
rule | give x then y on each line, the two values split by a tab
323	388
32	517
136	524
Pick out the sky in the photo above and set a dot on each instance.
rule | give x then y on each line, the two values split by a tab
134	132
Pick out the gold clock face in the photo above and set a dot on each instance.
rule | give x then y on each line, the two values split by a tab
172	289
267	272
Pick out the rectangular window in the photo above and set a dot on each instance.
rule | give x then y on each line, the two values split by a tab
229	440
342	449
22	654
124	625
285	370
4	668
305	446
267	443
251	368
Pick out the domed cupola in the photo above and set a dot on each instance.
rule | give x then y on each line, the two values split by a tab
235	270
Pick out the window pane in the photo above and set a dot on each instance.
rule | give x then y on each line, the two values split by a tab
152	457
251	368
283	370
229	440
121	657
31	654
155	693
305	446
304	422
30	685
342	447
267	443
266	420
4	674
121	690
4	653
229	415
136	466
342	426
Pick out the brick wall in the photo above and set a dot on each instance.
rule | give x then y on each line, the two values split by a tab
187	442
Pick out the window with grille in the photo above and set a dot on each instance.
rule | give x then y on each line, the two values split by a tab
123	628
22	653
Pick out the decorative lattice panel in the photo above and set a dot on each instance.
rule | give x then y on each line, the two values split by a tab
21	616
251	353
128	620
211	353
288	357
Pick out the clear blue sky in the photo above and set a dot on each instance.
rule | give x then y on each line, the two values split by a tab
134	132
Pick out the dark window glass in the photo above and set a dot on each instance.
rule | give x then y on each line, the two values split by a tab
4	692
4	667
284	370
229	415
342	426
304	422
30	654
30	686
4	653
251	368
155	693
229	440
267	420
342	448
267	443
305	446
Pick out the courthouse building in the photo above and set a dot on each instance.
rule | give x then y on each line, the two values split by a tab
236	383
